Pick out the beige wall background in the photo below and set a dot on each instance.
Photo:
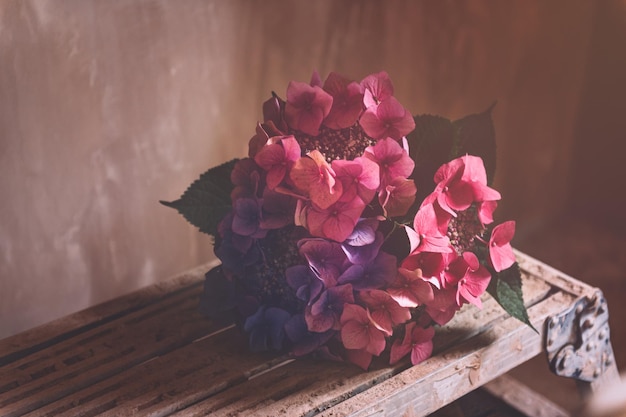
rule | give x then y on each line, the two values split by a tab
107	107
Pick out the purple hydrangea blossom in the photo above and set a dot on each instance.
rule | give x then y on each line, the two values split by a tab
376	274
325	312
364	243
304	341
266	328
304	282
326	259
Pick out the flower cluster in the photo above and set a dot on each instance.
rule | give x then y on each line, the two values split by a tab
307	263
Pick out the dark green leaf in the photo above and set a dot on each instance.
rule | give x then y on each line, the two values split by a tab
207	200
429	146
506	288
475	135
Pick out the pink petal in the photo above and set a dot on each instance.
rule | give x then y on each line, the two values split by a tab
474	169
291	147
503	233
451	170
340	226
377	87
377	341
397	197
354	335
500	250
318	323
353	312
347	102
313	175
400	349
388	119
358	177
397	119
485	211
306	107
382	321
392	159
425	222
458	196
421	351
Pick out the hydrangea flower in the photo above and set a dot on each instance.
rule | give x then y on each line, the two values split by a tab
311	244
307	106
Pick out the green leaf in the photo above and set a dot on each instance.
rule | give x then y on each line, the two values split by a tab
429	146
207	200
475	135
506	288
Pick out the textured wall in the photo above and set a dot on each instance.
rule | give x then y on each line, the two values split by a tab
108	106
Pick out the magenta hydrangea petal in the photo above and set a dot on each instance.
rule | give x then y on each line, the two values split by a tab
474	169
500	250
377	88
397	197
485	211
392	159
422	346
401	348
359	177
316	177
388	119
347	102
306	107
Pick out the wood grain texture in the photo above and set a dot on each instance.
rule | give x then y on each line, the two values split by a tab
160	358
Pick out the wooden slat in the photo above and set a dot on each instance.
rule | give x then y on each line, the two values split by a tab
99	353
552	276
138	356
323	384
44	336
200	369
443	378
523	398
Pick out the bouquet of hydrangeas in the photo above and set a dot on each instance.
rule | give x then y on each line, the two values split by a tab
352	228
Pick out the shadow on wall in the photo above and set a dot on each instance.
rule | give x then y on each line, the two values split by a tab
108	107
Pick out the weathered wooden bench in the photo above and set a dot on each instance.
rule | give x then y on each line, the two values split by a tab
151	353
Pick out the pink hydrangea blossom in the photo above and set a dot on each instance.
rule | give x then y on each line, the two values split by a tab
277	158
500	250
385	311
347	101
388	119
417	340
397	197
470	278
335	222
393	160
432	265
410	289
307	106
314	175
443	306
426	224
359	177
485	211
377	88
359	332
460	183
